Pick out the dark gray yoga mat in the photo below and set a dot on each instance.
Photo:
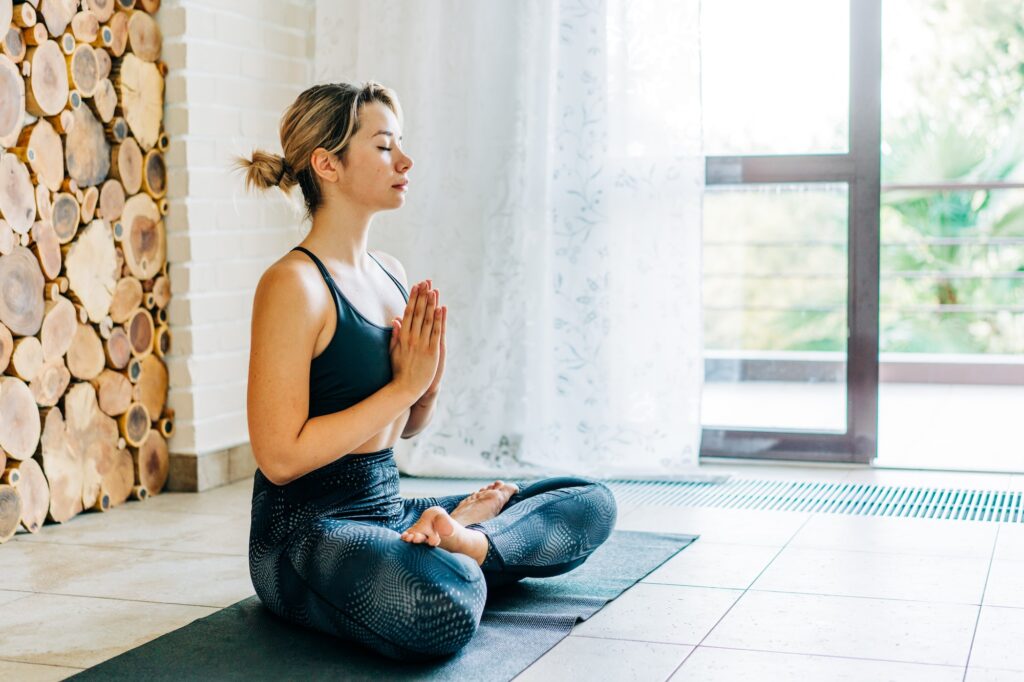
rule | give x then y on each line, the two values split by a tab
520	623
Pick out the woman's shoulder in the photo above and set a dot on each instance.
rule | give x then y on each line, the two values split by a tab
293	277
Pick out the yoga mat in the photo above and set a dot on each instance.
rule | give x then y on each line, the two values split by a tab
520	623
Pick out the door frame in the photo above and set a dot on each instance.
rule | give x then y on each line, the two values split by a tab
860	170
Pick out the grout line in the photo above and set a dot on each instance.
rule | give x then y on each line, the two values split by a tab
810	516
133	601
629	639
817	594
47	665
984	589
844	658
133	548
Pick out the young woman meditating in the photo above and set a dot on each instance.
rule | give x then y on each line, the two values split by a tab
344	360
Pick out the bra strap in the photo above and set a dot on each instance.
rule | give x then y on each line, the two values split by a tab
319	265
397	283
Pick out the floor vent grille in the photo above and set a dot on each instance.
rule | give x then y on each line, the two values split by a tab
859	499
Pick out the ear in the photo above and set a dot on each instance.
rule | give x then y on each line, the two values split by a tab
325	164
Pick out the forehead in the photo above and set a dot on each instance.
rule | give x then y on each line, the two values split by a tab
376	116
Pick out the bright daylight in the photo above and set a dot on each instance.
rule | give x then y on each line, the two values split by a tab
533	340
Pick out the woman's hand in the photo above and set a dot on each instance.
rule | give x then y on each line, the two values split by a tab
416	348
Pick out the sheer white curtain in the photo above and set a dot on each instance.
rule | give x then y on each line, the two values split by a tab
555	202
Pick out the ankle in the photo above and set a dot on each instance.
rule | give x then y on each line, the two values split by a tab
477	549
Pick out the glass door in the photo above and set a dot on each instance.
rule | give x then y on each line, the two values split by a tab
952	235
791	100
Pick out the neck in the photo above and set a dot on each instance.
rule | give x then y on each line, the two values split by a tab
339	234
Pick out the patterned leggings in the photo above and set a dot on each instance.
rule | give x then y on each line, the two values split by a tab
325	553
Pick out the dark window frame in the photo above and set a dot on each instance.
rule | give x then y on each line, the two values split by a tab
860	170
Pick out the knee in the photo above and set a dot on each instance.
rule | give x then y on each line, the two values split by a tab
442	619
606	509
597	509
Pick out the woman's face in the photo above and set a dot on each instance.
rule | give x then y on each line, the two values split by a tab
375	169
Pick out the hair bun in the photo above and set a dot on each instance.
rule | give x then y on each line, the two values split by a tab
286	171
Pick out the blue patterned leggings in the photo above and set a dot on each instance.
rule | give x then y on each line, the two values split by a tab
325	553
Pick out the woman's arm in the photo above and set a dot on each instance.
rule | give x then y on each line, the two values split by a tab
420	414
285	443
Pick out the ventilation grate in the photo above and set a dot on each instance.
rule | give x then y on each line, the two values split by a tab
859	499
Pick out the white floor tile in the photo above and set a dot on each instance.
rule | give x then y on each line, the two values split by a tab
31	672
1005	584
232	499
874	574
7	596
1010	544
154	529
137	574
730	526
671	614
928	537
913	632
997	643
709	564
588	658
83	631
709	664
992	675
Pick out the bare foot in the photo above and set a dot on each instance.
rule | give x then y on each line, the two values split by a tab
436	528
485	503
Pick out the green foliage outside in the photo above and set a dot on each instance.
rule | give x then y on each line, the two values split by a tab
953	111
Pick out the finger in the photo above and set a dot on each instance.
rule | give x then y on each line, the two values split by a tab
415	328
435	333
410	311
429	316
396	329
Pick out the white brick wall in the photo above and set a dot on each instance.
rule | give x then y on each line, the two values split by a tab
234	66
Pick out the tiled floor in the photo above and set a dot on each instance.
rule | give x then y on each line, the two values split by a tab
762	595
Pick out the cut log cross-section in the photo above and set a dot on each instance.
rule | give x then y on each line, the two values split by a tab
84	286
48	83
21	296
19	419
143	240
152	462
10	511
91	265
87	151
17	198
46	154
141	88
35	493
12	98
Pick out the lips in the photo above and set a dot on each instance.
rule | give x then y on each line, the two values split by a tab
400	185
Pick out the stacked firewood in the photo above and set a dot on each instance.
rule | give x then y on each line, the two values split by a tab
83	270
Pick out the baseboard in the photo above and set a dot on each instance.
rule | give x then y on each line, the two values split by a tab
191	472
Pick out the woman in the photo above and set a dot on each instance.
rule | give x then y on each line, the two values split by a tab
332	385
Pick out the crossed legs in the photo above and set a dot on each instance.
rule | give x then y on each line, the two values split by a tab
546	528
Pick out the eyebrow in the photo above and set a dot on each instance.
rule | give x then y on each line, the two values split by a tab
386	132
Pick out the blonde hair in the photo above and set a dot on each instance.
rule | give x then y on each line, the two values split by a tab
325	115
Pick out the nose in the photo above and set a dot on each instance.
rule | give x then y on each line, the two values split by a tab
405	163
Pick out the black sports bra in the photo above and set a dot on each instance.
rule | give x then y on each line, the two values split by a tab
356	363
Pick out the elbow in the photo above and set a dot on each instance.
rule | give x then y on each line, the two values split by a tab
274	467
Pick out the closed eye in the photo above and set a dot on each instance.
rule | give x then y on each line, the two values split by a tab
384	149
